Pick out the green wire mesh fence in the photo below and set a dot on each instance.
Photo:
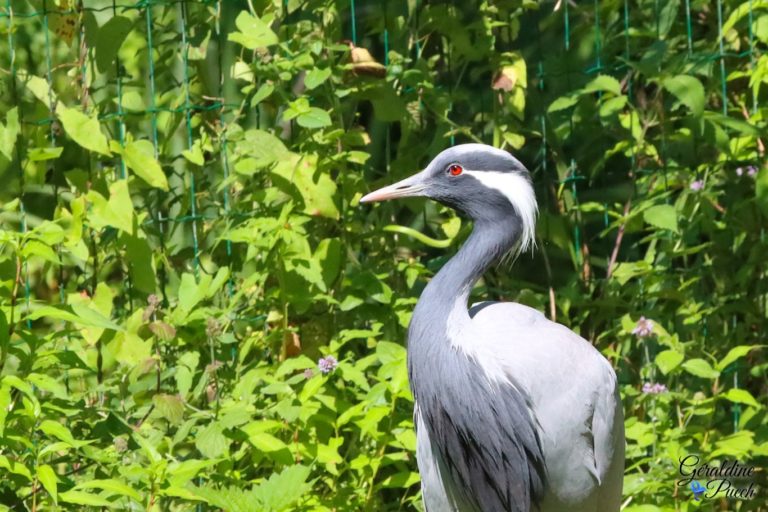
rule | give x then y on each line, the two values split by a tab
77	40
68	50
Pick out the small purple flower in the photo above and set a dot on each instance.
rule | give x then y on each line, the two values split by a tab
643	328
751	171
327	364
654	388
696	185
308	373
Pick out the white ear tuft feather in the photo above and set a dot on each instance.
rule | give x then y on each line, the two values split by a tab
519	191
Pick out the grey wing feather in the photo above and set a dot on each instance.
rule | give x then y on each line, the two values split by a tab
487	441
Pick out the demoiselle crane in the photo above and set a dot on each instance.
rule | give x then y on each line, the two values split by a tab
513	412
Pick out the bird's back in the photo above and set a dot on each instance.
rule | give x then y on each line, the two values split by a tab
574	396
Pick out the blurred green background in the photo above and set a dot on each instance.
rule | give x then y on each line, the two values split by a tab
196	314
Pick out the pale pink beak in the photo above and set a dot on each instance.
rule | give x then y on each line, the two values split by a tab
411	186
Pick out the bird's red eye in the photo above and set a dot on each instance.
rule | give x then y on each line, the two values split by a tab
455	169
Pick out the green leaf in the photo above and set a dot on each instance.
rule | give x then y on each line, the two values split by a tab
668	360
612	107
700	368
261	149
211	441
185	372
688	90
38	87
642	508
9	132
316	77
83	316
142	265
200	51
15	467
734	354
743	10
84	498
266	442
110	485
147	448
253	32
130	349
741	396
317	189
24	387
41	250
282	490
132	101
191	292
667	16
563	103
116	212
140	158
163	331
328	254
182	472
42	154
263	92
57	430
5	401
738	125
761	189
49	384
230	499
309	269
194	154
736	445
84	130
109	40
604	83
640	432
315	118
47	477
662	216
170	407
89	316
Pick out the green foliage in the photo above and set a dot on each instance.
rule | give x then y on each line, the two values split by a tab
181	239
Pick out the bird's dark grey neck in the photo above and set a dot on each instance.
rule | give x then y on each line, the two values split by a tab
476	417
442	311
489	241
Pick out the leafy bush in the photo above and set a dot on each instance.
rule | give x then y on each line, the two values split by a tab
195	313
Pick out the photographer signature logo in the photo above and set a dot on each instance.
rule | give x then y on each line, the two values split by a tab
729	479
697	490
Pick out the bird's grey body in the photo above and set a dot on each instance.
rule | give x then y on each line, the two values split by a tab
513	412
575	411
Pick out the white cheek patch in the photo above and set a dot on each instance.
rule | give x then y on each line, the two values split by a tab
519	192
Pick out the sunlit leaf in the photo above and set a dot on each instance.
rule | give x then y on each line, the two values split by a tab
253	32
47	477
316	76
110	38
688	91
139	157
211	441
700	368
662	216
741	396
83	129
9	132
315	118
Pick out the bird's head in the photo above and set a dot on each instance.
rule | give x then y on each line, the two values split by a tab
485	183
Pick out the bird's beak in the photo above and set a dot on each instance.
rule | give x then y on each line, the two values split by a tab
409	187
